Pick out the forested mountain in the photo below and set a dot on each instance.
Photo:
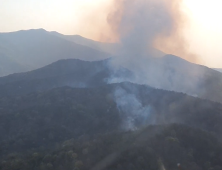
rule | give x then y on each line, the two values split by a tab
70	72
83	128
43	119
78	115
170	73
156	147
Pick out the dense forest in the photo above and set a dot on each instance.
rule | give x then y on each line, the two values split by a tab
87	128
155	147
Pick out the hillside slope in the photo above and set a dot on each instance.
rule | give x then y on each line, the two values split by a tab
70	72
175	74
169	73
43	119
156	147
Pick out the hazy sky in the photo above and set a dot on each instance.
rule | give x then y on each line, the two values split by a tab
83	17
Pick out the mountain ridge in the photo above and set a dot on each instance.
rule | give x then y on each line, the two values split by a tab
167	72
37	48
110	48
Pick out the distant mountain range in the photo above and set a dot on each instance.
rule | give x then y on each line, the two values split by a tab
28	50
110	48
32	49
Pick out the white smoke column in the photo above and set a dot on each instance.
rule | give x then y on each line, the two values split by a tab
140	25
133	113
139	22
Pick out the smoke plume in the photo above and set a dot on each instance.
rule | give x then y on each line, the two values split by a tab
145	28
141	25
132	110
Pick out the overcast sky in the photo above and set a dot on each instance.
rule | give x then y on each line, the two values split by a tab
78	17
